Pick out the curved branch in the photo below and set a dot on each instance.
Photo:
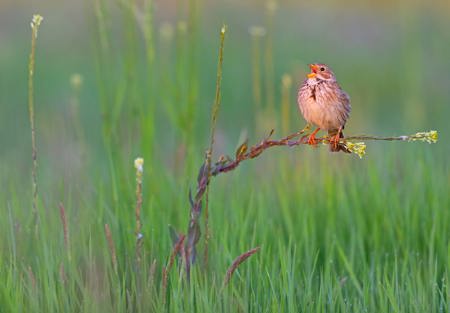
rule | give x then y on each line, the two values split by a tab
226	164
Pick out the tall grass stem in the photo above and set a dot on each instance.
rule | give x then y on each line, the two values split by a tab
256	33
62	213
139	165
215	112
35	23
112	248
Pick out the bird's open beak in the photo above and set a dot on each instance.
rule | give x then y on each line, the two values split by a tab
314	69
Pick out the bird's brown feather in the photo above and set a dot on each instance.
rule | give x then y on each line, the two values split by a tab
324	104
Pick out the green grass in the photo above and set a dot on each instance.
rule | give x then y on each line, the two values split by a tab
329	242
336	233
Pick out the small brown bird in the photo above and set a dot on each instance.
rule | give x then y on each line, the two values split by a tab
323	103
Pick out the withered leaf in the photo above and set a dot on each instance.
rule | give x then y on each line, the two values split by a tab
190	198
241	150
201	173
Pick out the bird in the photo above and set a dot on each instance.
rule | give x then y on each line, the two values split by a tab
323	103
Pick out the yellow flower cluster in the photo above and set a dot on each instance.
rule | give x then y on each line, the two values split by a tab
358	148
430	137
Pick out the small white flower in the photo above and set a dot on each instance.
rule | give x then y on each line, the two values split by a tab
139	165
35	23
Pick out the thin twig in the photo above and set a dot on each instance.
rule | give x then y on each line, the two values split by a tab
236	264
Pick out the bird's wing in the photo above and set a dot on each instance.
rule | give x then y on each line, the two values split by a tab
344	99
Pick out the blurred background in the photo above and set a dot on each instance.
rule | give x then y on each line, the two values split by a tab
115	80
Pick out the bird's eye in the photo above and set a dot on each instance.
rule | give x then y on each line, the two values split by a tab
322	69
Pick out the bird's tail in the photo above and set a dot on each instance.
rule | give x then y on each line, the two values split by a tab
339	146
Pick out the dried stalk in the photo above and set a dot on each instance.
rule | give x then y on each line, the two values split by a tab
112	248
165	272
62	213
236	264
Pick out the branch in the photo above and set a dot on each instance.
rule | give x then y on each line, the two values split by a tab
226	164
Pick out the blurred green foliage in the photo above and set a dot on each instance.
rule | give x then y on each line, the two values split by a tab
116	80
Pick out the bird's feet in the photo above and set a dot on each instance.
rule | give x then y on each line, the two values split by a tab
334	140
312	140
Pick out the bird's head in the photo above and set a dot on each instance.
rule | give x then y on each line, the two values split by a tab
321	71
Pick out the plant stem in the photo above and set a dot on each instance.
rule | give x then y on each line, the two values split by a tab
226	165
35	23
238	261
215	112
